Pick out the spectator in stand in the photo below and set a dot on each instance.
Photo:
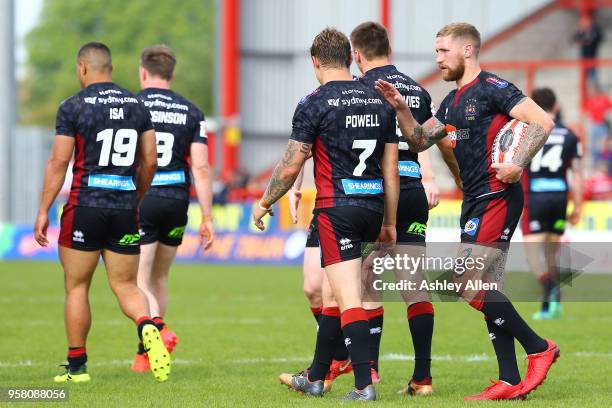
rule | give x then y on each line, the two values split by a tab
589	37
597	106
599	185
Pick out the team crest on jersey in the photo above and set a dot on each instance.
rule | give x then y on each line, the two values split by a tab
500	83
471	226
470	109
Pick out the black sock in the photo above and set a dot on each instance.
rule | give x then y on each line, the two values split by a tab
327	336
142	322
546	287
421	322
141	349
356	332
503	344
500	311
316	313
375	322
77	356
341	352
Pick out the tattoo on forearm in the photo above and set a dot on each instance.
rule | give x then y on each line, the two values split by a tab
423	138
279	184
534	140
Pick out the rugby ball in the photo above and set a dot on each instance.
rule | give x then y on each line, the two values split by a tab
508	141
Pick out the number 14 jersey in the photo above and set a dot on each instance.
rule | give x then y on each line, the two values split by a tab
106	122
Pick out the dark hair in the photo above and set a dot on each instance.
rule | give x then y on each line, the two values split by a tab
371	39
462	30
332	48
159	60
545	98
97	55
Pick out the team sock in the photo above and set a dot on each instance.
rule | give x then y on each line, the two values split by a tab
142	322
500	311
503	344
316	312
159	322
141	349
327	336
375	323
77	356
421	322
341	353
355	328
546	287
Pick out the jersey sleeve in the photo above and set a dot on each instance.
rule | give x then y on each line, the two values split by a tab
575	147
199	133
502	94
305	125
65	123
441	112
429	106
145	122
389	125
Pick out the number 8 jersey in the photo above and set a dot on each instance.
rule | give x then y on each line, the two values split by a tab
348	124
178	123
106	122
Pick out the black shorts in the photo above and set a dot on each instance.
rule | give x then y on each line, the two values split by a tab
342	230
92	229
163	219
312	240
544	212
492	218
412	215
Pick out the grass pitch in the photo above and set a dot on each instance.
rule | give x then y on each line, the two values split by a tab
240	326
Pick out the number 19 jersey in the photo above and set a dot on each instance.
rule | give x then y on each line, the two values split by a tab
178	123
106	122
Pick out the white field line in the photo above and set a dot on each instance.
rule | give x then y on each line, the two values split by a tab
470	358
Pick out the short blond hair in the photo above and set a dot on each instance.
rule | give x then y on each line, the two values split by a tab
462	30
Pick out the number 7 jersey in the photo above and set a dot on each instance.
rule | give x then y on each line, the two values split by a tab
178	123
348	123
106	122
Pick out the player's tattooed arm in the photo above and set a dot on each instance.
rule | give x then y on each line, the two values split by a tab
286	172
423	136
419	137
540	126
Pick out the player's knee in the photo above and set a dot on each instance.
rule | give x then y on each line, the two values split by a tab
312	292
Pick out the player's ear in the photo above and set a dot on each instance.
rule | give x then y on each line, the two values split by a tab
468	50
315	62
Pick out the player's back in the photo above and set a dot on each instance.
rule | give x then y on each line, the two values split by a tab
107	122
348	124
547	171
419	102
178	123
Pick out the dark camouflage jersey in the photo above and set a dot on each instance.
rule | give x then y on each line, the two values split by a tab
348	124
473	115
178	123
420	105
106	122
547	171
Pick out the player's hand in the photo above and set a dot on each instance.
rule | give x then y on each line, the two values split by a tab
40	229
258	213
294	201
391	94
432	192
574	217
387	236
207	232
508	172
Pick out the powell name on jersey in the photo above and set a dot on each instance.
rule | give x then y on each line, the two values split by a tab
106	122
178	123
348	124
